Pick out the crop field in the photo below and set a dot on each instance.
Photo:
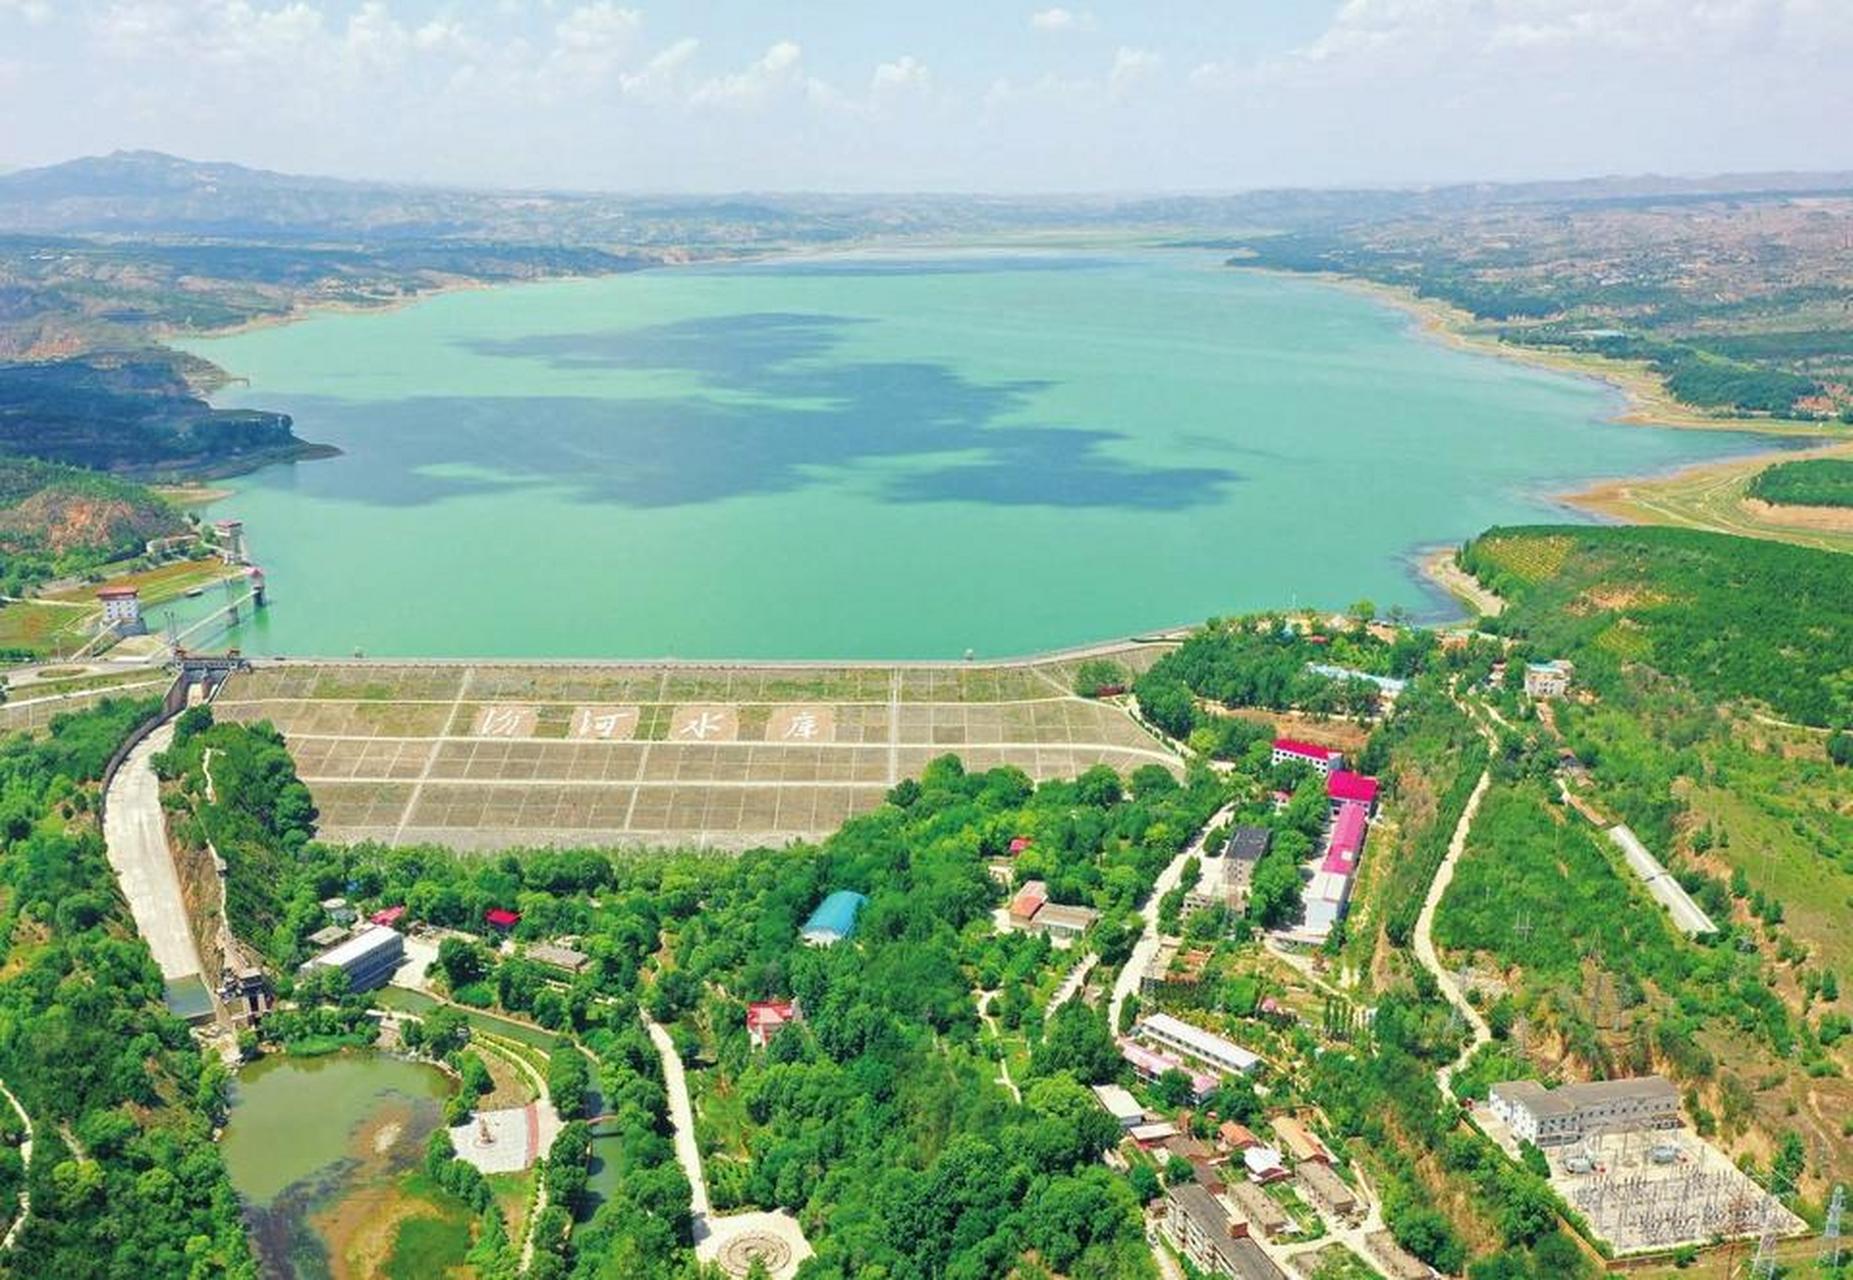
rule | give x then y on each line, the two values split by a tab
491	756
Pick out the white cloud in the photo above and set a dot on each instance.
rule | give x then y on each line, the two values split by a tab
660	78
1059	19
779	72
593	40
905	74
1131	68
35	12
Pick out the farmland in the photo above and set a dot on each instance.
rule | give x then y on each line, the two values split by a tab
491	756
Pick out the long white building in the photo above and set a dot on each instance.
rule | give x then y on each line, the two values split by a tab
1557	1117
1195	1043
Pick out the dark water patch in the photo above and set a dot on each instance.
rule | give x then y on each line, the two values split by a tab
968	265
809	420
734	351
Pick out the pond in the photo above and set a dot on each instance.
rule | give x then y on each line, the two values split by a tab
317	1149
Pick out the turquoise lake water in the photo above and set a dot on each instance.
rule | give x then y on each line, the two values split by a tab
884	458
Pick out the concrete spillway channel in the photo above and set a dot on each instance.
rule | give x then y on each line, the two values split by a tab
135	831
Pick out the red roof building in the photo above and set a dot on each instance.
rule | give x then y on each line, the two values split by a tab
388	916
116	593
1294	751
502	918
1341	854
1019	844
1345	787
1029	900
766	1018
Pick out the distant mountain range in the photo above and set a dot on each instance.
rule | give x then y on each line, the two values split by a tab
151	193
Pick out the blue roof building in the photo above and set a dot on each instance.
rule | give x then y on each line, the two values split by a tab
834	919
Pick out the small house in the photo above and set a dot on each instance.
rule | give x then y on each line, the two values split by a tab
766	1018
501	919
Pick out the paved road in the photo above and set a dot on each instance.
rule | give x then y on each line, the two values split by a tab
1424	941
135	830
25	1159
1147	946
682	1117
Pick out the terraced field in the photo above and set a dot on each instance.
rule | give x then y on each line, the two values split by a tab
488	756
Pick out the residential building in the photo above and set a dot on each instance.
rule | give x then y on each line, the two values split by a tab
555	956
1030	898
1264	1164
1397	1262
1345	841
1062	922
122	610
1212	1050
1556	1117
1299	1140
1120	1104
368	958
1344	787
1548	679
1174	969
327	936
1266	1215
1148	1064
1202	1230
501	919
1221	882
766	1018
1311	754
388	915
1248	844
1329	1191
834	920
1236	1137
339	911
1153	1134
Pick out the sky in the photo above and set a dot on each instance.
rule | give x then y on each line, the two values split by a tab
947	95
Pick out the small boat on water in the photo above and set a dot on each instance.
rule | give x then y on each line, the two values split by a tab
195	593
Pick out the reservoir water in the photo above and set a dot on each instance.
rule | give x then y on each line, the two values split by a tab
884	458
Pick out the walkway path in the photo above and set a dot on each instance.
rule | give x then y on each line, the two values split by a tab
1003	1056
25	1163
1147	946
735	1240
135	831
1424	941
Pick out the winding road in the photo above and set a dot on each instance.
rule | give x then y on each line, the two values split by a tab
25	1187
1424	940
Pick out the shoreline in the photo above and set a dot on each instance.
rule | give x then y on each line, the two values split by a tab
1640	498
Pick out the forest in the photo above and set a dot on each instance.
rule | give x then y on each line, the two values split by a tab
133	413
1812	482
1735	617
126	1180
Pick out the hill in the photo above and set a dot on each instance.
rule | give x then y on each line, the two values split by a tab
70	518
133	413
1737	618
1814	482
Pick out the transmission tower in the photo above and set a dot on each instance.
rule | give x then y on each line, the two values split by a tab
1764	1268
1830	1237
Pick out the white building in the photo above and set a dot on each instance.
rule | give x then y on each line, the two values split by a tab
1557	1117
1211	1050
1548	679
1121	1105
122	610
